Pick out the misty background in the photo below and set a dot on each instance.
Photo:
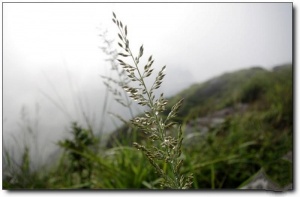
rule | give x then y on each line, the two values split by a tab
51	56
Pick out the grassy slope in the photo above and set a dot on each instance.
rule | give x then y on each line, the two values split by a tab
248	141
244	143
226	157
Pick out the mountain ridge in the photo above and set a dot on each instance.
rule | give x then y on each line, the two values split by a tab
226	90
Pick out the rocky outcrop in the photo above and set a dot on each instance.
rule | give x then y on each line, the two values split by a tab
261	181
203	124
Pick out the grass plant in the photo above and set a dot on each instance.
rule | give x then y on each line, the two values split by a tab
165	134
228	156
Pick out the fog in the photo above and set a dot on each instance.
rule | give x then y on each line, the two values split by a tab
52	61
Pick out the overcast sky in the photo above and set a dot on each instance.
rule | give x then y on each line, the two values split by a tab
53	49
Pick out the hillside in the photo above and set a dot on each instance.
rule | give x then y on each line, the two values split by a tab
226	92
239	125
238	134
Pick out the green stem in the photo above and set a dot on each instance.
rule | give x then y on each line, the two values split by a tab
173	180
161	130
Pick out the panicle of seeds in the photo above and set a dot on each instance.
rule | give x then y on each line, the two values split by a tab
166	149
114	85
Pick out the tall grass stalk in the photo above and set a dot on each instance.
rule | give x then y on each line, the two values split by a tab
121	79
114	82
164	135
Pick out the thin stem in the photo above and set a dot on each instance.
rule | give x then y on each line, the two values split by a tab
161	130
168	148
126	97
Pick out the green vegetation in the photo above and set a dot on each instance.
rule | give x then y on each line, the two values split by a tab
249	139
233	126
